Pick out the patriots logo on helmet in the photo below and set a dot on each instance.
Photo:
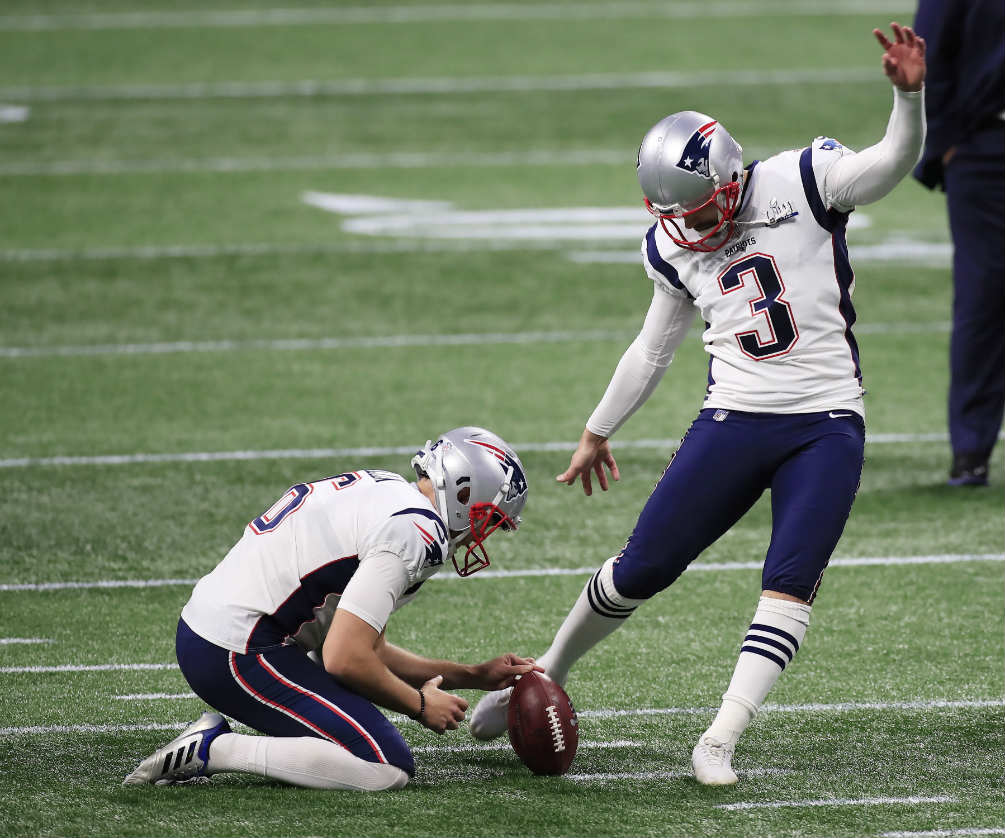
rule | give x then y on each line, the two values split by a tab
517	480
694	158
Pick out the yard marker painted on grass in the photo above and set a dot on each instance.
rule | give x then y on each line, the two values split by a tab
589	714
711	567
346	160
383	342
667	445
946	833
438	12
11	641
666	775
153	696
446	85
840	801
71	667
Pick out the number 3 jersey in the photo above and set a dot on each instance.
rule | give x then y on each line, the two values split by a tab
776	299
364	541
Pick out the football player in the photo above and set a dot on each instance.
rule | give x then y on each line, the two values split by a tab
286	634
760	252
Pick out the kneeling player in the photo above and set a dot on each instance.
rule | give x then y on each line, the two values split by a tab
315	578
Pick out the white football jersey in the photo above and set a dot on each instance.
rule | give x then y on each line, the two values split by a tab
776	299
283	580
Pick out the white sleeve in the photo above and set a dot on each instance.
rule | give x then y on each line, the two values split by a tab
862	178
378	583
644	362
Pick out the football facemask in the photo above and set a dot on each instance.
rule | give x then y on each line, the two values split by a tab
725	199
485	518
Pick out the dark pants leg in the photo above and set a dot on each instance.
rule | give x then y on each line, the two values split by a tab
975	190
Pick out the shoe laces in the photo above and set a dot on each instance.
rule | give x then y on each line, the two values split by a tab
717	752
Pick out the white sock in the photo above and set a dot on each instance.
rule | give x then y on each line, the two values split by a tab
301	761
599	610
774	637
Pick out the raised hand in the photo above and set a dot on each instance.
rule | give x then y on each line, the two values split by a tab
904	58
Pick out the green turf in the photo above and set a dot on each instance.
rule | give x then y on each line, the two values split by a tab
82	265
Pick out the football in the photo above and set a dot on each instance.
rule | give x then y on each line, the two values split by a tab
543	727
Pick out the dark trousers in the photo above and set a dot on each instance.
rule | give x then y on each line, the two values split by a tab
281	692
811	462
975	191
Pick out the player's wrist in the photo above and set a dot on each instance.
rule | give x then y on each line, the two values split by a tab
420	714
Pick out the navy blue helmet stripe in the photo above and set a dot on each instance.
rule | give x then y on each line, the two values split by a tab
767	641
764	653
660	265
773	630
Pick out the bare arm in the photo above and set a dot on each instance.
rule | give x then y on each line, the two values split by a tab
415	669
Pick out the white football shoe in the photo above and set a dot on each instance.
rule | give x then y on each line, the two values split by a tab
711	762
489	717
184	758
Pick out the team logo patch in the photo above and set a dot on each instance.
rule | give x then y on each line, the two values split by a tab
830	144
517	480
694	158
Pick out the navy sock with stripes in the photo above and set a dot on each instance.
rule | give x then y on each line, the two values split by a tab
599	610
774	637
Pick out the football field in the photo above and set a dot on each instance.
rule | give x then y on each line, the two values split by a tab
250	244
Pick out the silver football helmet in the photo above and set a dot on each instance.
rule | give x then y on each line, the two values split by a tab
687	162
480	486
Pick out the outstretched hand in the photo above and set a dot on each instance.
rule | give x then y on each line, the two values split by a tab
903	60
501	672
592	455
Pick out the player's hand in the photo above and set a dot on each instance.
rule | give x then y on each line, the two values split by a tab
592	455
904	59
444	711
501	672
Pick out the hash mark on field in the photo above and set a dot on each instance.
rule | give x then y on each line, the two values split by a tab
440	86
865	561
355	15
153	696
10	641
839	801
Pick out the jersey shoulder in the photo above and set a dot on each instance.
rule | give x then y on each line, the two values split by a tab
408	525
664	261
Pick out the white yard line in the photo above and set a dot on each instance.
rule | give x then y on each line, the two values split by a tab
73	667
446	85
153	696
596	714
349	160
838	801
666	775
441	12
388	341
697	567
377	451
946	833
28	641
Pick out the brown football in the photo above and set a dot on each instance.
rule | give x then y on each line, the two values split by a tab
543	727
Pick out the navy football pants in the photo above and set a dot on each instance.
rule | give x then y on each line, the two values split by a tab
975	191
279	691
811	462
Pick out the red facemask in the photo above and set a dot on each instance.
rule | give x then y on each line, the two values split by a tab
726	199
485	519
